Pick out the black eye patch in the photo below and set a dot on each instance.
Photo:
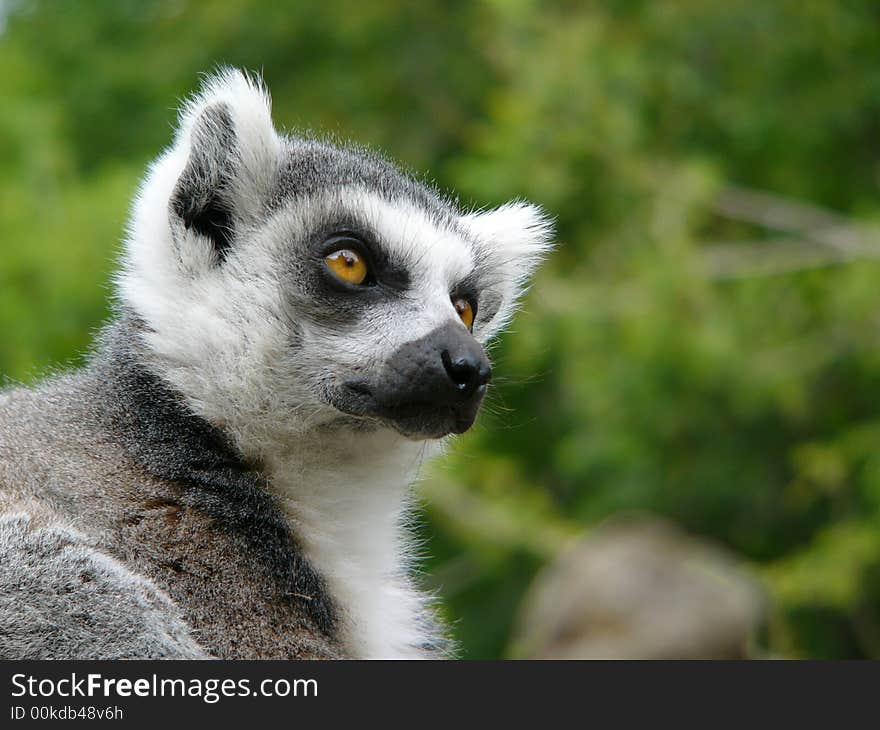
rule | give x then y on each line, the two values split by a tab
384	270
469	288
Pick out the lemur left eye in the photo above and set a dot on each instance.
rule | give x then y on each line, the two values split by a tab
347	265
464	310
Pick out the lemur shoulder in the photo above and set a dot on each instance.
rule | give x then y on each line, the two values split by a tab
297	326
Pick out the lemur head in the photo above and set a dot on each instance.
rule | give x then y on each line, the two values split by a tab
284	282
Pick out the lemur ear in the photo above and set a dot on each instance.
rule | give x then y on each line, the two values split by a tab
512	241
233	153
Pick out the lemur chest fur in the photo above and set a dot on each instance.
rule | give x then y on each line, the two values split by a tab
347	498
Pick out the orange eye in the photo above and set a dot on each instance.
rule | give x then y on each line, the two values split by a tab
347	265
464	310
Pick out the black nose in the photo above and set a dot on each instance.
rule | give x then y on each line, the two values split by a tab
468	370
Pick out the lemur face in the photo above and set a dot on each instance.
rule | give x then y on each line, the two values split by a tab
385	298
286	283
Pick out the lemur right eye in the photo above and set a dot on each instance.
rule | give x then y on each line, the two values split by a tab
465	311
347	265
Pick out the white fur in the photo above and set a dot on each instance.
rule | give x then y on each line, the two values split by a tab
220	335
348	499
514	238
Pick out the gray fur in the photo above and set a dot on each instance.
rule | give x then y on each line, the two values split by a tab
313	166
155	489
62	598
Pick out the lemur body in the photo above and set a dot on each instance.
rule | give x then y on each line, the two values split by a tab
229	476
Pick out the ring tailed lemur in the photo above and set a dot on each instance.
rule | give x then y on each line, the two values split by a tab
297	327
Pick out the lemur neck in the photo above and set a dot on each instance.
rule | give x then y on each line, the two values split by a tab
333	475
346	494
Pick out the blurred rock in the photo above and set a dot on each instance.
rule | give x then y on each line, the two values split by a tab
640	589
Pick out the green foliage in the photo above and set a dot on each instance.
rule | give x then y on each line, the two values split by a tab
647	371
